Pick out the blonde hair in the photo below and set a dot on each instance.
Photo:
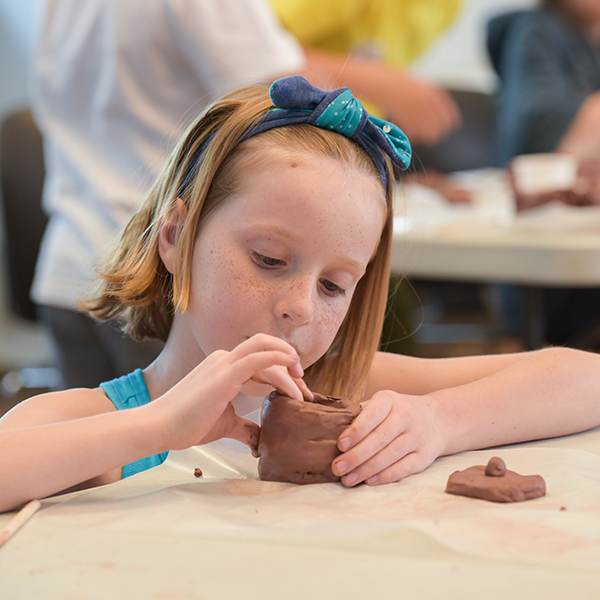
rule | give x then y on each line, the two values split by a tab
136	287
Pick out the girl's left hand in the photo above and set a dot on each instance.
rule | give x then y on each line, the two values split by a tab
395	435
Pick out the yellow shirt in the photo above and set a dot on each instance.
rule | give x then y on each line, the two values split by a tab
396	31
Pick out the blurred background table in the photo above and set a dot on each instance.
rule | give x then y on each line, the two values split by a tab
487	242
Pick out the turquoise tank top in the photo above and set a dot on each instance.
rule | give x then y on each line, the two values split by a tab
130	391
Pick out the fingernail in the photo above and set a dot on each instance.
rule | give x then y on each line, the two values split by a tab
372	480
340	467
344	444
351	479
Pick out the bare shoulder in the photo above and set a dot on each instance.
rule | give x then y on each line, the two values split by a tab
54	407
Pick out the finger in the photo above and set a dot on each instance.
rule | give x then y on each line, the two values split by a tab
409	465
263	342
385	437
260	343
296	371
395	451
373	413
306	393
280	379
246	432
251	365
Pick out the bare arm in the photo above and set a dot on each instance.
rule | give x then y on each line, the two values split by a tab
418	376
583	136
425	112
49	444
466	404
548	393
55	441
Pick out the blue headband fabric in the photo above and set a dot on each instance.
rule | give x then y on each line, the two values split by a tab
297	101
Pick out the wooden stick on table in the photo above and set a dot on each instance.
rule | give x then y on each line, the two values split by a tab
19	520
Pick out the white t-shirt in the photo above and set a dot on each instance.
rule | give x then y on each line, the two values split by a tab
114	84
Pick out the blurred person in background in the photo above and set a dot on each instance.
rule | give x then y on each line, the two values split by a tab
114	85
548	62
368	46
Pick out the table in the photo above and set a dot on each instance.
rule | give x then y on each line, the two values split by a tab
551	246
164	534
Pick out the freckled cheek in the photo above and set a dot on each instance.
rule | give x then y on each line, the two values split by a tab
243	299
229	301
328	324
226	281
249	288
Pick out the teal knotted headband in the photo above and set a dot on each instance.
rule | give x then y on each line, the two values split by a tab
296	101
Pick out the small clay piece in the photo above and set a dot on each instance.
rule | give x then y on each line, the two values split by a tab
198	472
496	483
298	440
495	467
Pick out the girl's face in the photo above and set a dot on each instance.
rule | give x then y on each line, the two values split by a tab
283	256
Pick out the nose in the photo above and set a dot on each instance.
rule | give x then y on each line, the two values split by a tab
295	302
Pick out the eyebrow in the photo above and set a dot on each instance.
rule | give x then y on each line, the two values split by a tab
280	231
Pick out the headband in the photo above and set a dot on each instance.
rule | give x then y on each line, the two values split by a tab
297	101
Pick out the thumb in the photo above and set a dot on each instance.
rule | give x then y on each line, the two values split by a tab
246	432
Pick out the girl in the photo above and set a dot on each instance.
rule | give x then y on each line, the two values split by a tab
263	250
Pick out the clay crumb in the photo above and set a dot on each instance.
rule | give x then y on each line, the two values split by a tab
563	508
198	472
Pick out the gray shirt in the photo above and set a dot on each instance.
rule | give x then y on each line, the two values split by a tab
547	69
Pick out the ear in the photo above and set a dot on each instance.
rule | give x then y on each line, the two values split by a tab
170	229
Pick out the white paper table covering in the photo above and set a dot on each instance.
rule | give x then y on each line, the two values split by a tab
168	529
536	531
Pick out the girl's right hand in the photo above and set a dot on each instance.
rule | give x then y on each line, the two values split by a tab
198	409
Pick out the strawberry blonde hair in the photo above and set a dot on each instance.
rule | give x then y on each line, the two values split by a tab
135	286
